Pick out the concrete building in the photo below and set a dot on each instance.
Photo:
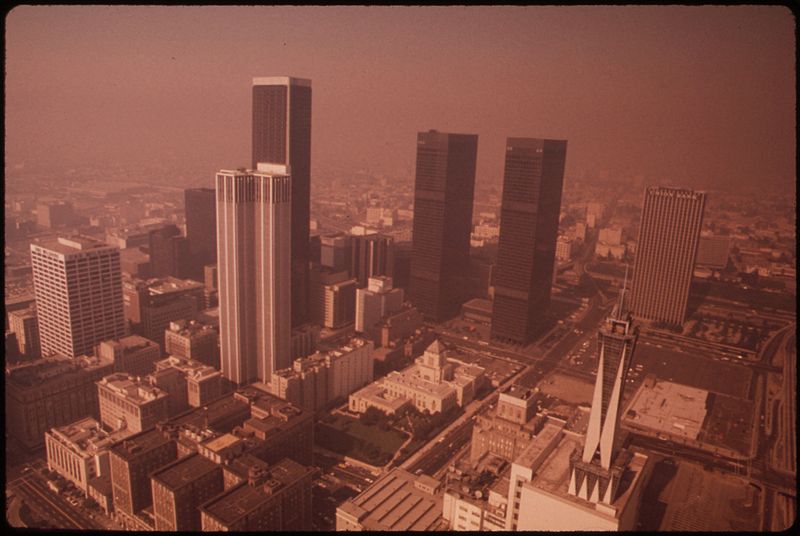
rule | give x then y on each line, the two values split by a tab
510	428
127	402
193	340
200	205
340	304
610	235
151	305
131	462
282	137
179	488
54	214
604	250
255	244
47	393
322	277
202	383
277	498
133	354
371	255
79	451
400	325
316	381
169	252
665	253
335	251
24	323
397	501
713	251
375	302
81	276
564	248
475	498
532	184
433	383
443	196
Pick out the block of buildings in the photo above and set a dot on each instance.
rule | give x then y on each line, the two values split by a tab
371	255
129	402
476	496
179	488
508	430
276	498
397	501
201	384
55	214
48	393
133	354
317	380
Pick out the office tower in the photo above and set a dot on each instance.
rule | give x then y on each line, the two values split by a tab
78	287
25	324
130	402
372	255
320	278
134	354
713	251
151	305
201	227
340	304
50	392
335	251
163	250
443	192
375	302
179	488
665	253
282	136
533	177
254	266
55	214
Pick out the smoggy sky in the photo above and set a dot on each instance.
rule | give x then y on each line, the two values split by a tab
704	96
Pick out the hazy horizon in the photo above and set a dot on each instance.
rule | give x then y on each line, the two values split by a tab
700	96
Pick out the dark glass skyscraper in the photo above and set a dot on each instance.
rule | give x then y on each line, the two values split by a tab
665	254
282	135
201	227
533	178
443	194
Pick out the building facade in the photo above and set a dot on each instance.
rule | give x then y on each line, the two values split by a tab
78	287
201	227
532	184
669	233
254	231
127	402
371	255
25	324
282	136
443	194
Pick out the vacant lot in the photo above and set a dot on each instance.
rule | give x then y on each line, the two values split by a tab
347	436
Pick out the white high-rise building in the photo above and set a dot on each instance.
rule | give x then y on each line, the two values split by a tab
254	231
78	286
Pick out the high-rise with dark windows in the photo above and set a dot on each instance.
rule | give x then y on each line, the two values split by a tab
282	135
669	233
443	194
532	183
201	228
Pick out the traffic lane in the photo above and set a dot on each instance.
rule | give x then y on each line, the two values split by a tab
48	509
444	450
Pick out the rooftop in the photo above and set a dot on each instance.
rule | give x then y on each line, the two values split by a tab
239	501
140	443
170	284
72	244
56	368
394	502
669	407
131	388
87	436
184	471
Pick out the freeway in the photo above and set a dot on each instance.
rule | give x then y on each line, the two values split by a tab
49	506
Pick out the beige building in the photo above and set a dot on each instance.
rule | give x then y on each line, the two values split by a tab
433	383
375	302
397	501
203	383
254	210
475	497
25	324
79	451
564	248
129	402
51	392
78	287
325	376
192	340
134	354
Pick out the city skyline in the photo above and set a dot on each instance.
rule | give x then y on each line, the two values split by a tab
633	96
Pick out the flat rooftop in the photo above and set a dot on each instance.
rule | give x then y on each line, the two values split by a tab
132	389
87	436
239	501
170	284
394	502
72	244
669	407
35	374
184	471
140	443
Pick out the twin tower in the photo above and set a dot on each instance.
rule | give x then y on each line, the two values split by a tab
263	269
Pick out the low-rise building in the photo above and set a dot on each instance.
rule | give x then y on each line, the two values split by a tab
193	340
128	402
133	354
179	488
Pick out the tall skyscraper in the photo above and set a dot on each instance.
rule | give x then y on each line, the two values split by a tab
532	182
665	254
282	135
201	227
169	252
443	194
596	474
253	254
78	286
372	255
